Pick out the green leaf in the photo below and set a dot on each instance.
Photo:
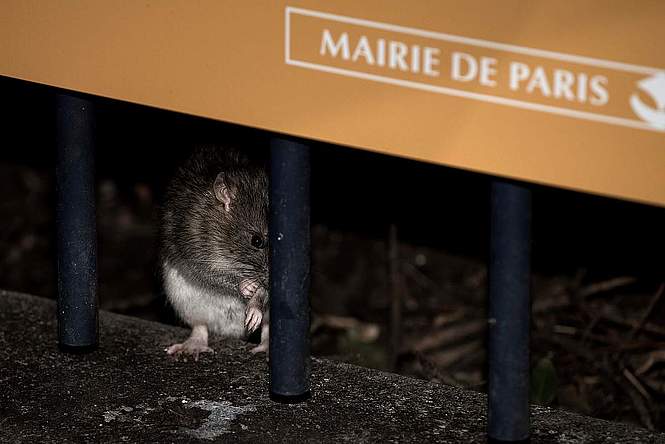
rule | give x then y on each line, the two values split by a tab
543	382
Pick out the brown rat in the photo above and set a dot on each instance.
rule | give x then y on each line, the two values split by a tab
214	247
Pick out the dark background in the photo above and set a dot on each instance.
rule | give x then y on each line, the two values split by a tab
597	262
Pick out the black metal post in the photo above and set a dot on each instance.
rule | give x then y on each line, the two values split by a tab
509	310
76	230
289	271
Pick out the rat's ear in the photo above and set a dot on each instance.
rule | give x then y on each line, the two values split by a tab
223	190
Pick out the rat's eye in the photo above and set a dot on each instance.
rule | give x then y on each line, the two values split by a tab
258	241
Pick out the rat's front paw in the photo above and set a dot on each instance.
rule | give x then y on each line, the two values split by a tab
253	317
188	348
248	287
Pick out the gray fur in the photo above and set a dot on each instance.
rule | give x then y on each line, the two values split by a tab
206	250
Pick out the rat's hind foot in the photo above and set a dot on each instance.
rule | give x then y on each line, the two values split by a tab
196	344
187	348
261	348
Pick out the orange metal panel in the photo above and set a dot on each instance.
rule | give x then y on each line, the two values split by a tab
564	93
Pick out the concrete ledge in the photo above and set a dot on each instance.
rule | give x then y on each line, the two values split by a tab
129	391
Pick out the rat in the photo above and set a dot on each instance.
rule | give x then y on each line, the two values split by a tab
214	248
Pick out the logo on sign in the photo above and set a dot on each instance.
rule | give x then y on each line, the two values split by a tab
502	74
655	87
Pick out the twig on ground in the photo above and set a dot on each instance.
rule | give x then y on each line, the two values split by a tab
653	358
447	335
645	316
449	357
639	403
637	384
448	318
564	330
421	278
603	286
367	331
648	327
547	304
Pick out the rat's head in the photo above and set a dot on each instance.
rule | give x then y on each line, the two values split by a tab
241	237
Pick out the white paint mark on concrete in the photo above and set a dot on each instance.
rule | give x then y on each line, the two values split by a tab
219	420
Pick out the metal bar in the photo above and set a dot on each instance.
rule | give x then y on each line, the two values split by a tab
289	270
509	310
76	230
